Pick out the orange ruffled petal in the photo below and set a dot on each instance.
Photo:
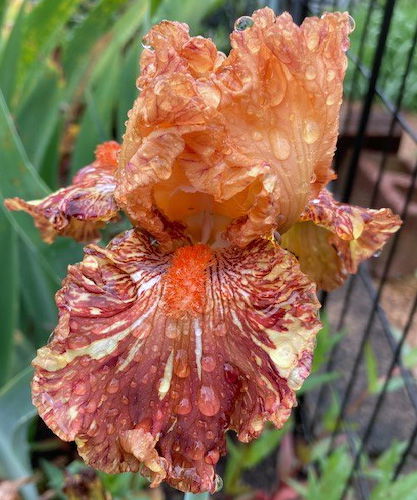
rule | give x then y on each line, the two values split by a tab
237	144
333	238
156	355
81	209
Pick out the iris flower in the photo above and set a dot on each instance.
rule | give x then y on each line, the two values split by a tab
200	318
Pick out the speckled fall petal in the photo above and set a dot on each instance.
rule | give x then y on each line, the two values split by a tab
81	209
333	238
233	147
156	355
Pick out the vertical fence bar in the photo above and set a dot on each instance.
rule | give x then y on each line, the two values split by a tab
352	169
366	109
371	422
397	108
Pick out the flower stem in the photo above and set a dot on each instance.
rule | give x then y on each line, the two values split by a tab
196	496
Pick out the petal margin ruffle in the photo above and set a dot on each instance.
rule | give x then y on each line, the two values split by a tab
252	134
155	356
81	209
333	238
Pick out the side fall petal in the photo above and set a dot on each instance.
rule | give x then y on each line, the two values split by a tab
81	209
332	239
157	355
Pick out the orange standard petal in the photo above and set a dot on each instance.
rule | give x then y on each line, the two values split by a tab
81	209
233	147
333	238
157	355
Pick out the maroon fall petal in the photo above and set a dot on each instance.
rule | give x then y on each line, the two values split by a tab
156	355
81	209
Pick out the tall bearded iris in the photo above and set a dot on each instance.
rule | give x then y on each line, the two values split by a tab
197	320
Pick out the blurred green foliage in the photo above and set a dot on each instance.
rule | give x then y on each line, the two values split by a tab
399	41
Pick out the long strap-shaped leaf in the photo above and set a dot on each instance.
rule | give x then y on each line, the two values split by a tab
18	177
16	411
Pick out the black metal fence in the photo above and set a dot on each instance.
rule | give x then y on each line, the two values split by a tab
377	166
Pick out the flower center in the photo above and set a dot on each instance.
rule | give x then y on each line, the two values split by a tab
185	280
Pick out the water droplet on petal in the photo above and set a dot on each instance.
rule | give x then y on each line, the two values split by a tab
197	451
352	24
330	100
146	46
218	483
208	363
171	330
257	136
91	407
80	389
181	366
231	374
112	386
243	23
311	73
311	131
280	146
183	407
312	41
377	253
277	237
331	74
212	457
208	403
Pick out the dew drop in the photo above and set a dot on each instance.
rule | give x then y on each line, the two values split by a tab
91	407
312	41
231	374
311	131
208	403
210	435
377	253
112	386
145	44
352	23
208	363
212	457
243	23
330	100
280	146
183	407
181	366
257	136
80	389
197	453
331	74
218	483
277	237
171	331
311	73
